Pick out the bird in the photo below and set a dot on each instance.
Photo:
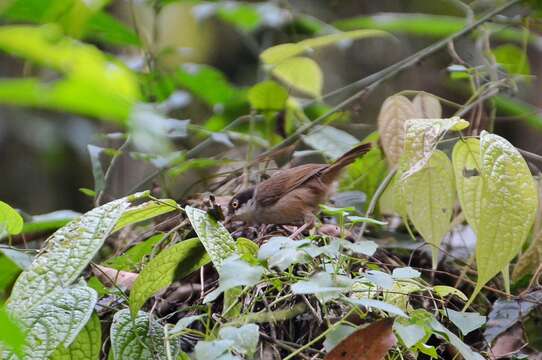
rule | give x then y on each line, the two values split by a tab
291	196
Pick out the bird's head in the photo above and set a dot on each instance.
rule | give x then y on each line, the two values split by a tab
241	206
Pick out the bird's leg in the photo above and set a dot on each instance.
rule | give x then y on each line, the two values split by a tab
309	223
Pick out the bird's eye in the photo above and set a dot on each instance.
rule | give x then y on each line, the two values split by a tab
235	204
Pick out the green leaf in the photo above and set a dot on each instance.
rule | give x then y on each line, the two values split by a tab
443	291
50	221
214	350
10	220
8	273
87	344
235	272
466	321
365	247
380	305
212	234
139	338
380	279
67	253
324	286
105	28
410	334
330	141
57	320
183	323
405	273
456	342
145	211
11	334
279	53
508	206
173	263
468	179
242	16
247	250
281	252
92	85
208	84
267	95
131	259
430	199
513	59
245	338
302	74
363	219
518	109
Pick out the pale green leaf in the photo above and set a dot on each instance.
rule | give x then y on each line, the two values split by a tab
302	74
145	211
444	290
381	279
337	334
466	321
410	334
279	53
57	320
50	221
324	286
380	305
245	338
87	344
10	220
508	206
214	350
132	338
172	263
212	234
183	323
405	273
235	272
267	95
513	59
456	342
468	180
430	198
67	252
365	247
330	141
281	252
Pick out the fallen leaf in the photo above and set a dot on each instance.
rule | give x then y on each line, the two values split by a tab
369	343
110	277
508	343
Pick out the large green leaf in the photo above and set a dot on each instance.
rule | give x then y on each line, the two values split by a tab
139	338
508	206
173	263
330	141
10	220
468	179
302	74
57	320
92	85
430	198
49	221
145	211
212	234
66	254
131	259
277	54
87	344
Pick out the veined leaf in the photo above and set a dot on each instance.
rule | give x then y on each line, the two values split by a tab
57	320
421	139
173	263
508	207
10	220
302	74
145	211
87	344
468	179
139	338
277	54
427	106
394	113
212	234
430	197
67	253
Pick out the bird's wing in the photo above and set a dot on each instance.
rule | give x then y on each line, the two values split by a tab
282	182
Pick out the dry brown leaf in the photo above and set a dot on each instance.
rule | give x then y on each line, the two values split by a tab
427	106
109	277
395	111
508	343
370	343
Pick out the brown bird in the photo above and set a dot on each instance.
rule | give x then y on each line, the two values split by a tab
291	196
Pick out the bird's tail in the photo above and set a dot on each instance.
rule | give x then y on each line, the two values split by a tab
348	158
